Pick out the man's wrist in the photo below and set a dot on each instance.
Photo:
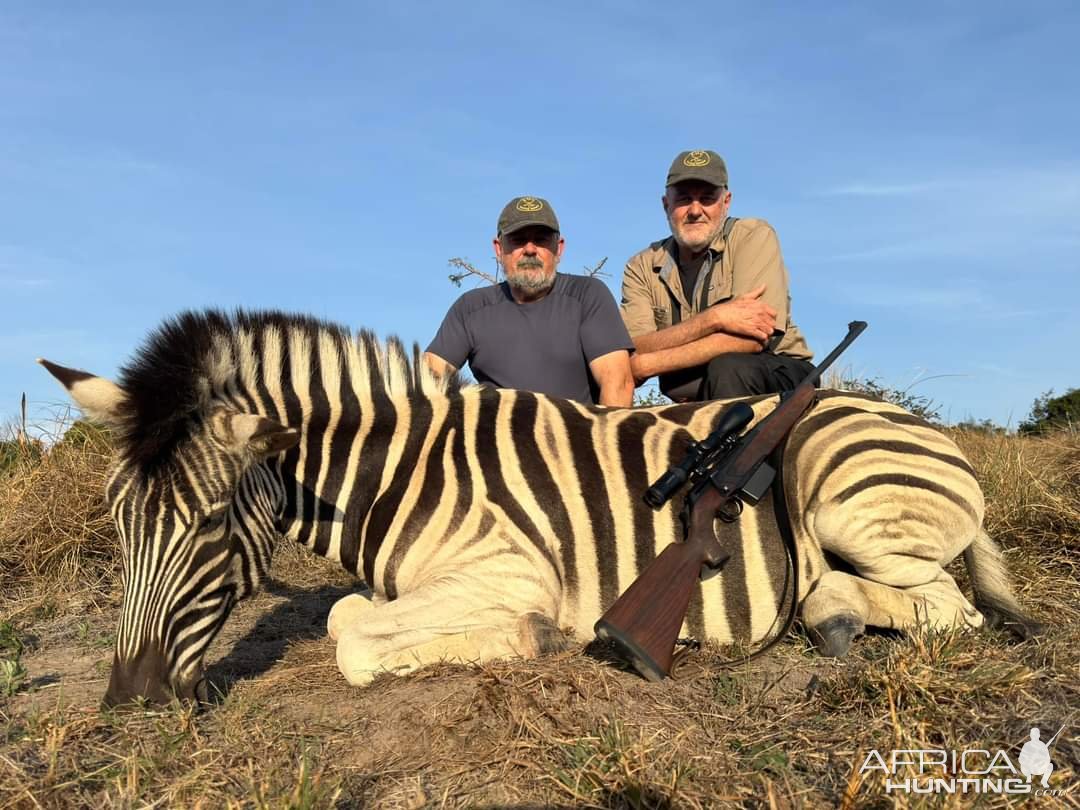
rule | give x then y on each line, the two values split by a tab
714	318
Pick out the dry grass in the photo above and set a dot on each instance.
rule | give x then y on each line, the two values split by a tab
571	730
56	535
1032	485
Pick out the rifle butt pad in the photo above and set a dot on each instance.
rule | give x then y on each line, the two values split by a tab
630	652
644	623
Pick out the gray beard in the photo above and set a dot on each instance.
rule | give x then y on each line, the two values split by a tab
697	245
527	280
530	283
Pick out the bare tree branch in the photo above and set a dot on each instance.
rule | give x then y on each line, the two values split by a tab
593	272
467	269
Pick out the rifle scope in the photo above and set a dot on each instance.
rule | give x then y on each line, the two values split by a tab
733	420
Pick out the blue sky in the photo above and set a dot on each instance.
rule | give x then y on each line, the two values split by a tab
919	162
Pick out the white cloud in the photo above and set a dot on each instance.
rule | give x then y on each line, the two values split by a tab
944	247
920	297
25	268
879	189
969	300
1004	190
998	370
23	282
1013	213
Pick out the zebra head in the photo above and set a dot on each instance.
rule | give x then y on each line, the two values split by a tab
196	519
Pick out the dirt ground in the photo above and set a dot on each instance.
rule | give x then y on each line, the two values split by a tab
575	730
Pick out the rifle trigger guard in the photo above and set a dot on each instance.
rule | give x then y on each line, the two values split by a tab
735	505
708	570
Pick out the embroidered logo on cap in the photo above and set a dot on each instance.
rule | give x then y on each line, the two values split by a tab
528	205
696	158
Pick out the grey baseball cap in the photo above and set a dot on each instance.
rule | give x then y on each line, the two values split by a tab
521	212
699	164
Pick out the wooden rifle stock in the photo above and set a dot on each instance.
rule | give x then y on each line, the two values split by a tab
644	622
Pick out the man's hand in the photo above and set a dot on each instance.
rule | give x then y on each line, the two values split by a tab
745	316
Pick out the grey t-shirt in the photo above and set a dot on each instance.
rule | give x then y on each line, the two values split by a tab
544	346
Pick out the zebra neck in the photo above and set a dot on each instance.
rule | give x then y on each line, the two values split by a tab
346	481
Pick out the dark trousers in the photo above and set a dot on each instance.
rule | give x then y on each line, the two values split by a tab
740	375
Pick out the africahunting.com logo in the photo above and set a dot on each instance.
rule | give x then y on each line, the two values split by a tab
972	770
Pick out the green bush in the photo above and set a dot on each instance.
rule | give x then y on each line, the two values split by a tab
15	453
649	395
987	426
916	404
83	434
1050	413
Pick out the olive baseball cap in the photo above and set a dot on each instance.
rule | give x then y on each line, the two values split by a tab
521	212
699	164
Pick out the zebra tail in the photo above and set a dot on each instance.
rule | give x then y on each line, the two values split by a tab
994	595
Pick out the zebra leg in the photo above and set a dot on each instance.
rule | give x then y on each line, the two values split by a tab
897	545
835	613
361	657
842	605
348	611
535	635
452	619
896	540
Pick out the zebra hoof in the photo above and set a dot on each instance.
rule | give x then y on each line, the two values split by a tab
833	636
346	612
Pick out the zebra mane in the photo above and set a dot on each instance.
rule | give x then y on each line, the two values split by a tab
195	358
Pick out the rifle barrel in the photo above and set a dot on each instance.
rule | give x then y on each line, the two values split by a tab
1051	742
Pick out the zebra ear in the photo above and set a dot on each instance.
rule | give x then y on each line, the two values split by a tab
100	399
254	434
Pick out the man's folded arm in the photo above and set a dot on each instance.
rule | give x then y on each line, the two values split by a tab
681	334
646	364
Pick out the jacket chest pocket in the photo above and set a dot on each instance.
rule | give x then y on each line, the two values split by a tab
662	317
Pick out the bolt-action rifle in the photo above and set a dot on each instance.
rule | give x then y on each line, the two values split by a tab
725	470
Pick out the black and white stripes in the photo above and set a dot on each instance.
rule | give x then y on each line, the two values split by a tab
235	428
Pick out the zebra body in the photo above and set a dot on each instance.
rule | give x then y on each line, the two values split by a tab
483	519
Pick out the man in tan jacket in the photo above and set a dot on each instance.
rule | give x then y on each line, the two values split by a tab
708	308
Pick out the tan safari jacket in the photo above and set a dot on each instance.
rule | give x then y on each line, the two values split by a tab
749	256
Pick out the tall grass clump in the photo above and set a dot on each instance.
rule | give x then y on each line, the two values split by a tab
1031	484
55	530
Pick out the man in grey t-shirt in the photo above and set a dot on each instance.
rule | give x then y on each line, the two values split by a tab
539	330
